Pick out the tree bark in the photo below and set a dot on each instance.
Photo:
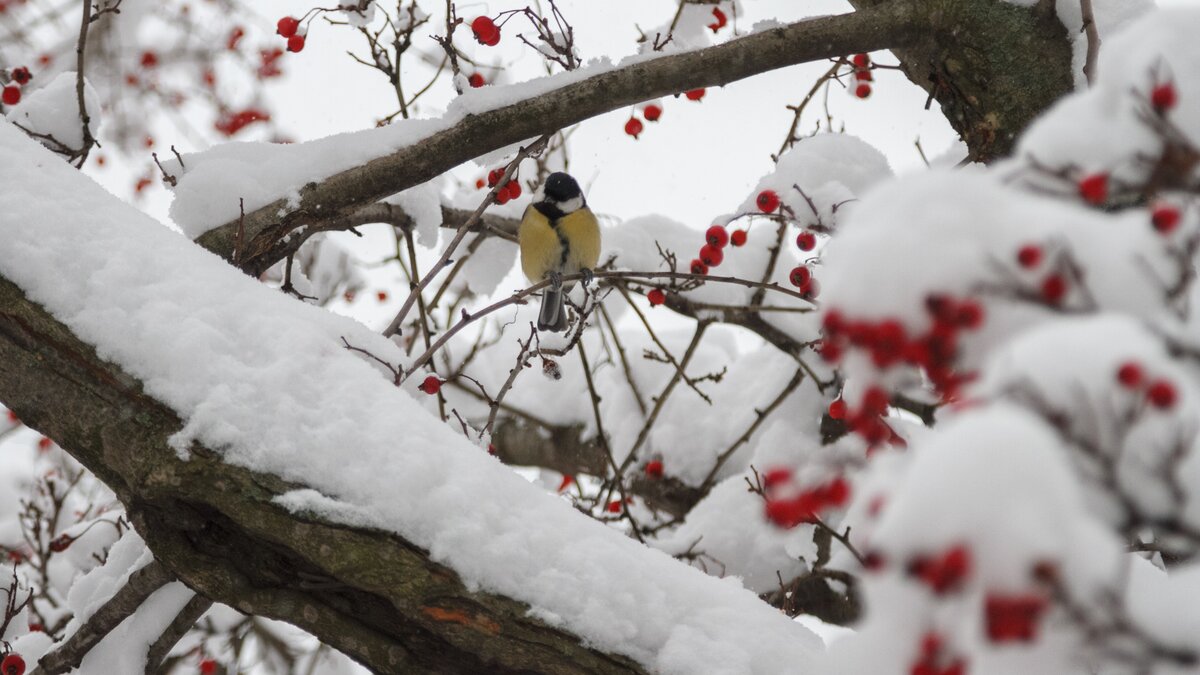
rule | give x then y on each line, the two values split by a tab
992	65
370	594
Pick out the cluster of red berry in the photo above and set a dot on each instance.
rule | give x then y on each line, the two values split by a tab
18	77
652	112
889	343
1160	393
786	506
510	190
486	31
289	28
232	122
867	420
862	75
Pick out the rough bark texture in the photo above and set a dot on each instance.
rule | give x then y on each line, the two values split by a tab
368	593
993	66
339	196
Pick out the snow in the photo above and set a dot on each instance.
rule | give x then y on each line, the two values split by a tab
264	380
53	110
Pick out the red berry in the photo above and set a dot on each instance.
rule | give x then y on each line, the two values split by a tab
1094	188
295	43
633	127
800	276
652	113
656	297
381	295
11	95
514	189
970	314
875	401
738	238
1162	394
1163	97
837	491
698	267
486	31
494	177
767	201
1013	618
711	255
1054	287
480	183
720	20
1130	375
864	76
716	236
476	80
502	195
806	241
566	481
614	506
287	26
837	410
695	94
44	443
863	90
861	60
1029	256
431	385
776	476
12	664
149	59
21	75
654	468
1165	218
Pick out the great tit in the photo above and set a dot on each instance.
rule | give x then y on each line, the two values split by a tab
559	235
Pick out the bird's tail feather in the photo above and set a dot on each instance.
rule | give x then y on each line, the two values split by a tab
553	316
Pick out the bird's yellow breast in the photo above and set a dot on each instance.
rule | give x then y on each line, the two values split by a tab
566	246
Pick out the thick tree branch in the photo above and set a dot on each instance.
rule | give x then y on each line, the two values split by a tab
370	594
892	24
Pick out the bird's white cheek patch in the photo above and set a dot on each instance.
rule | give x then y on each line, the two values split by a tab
571	205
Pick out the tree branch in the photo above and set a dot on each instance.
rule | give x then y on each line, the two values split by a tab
141	585
892	24
218	528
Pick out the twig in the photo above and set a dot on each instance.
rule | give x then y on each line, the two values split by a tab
603	440
533	148
760	417
174	632
1093	40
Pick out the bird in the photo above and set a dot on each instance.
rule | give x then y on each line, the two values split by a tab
559	235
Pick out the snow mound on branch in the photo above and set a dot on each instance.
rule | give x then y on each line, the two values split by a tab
996	482
53	111
893	251
212	181
265	381
831	169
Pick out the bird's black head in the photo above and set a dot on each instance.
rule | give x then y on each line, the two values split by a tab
561	188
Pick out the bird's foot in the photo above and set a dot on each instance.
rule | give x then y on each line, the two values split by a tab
588	276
